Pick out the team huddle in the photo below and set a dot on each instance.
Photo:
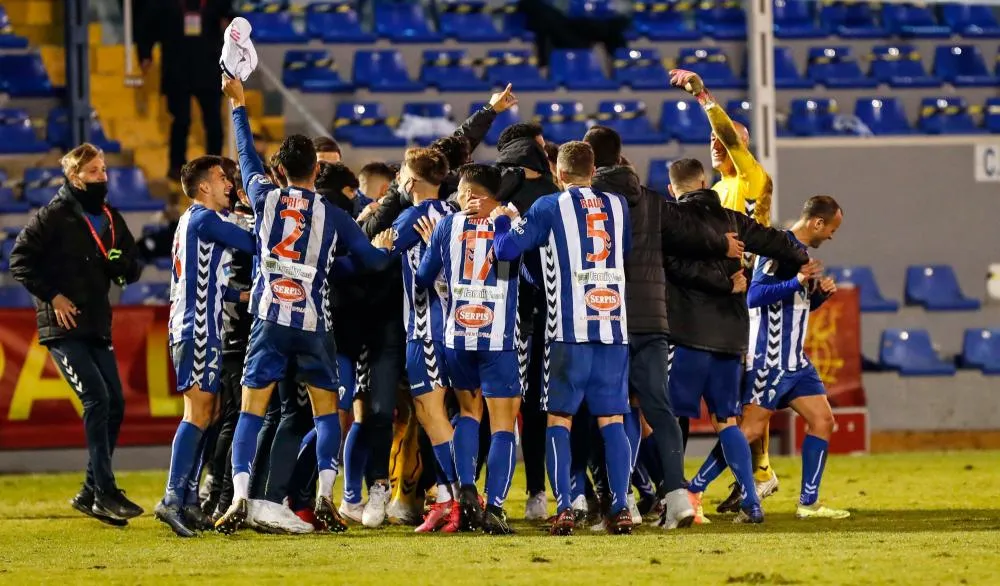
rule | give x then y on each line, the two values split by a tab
548	300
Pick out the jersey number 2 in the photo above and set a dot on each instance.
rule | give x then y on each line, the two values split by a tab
285	248
602	240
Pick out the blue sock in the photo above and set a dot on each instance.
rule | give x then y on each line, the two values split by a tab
577	479
182	455
327	441
617	454
356	457
557	456
445	456
466	442
194	477
500	467
245	441
633	431
737	453
814	452
709	471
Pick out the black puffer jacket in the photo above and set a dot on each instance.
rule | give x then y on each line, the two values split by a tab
56	254
703	311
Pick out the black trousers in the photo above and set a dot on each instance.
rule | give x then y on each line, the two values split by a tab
648	382
383	363
218	450
179	106
533	419
265	439
295	422
91	369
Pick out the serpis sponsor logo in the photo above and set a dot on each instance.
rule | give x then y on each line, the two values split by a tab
288	291
602	299
474	316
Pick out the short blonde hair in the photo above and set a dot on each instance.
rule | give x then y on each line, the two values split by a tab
78	158
576	160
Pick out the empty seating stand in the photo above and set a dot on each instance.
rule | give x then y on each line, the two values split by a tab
640	68
862	278
836	67
946	115
24	76
57	132
502	121
884	116
900	66
17	135
518	67
9	204
936	288
685	121
712	65
786	73
42	184
365	124
313	71
981	349
469	21
14	297
722	19
659	175
579	69
628	119
404	22
851	20
911	353
962	66
129	192
271	22
336	22
451	71
909	20
561	121
146	294
812	117
383	71
796	19
663	20
971	21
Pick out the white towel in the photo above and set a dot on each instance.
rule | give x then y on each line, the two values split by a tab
239	58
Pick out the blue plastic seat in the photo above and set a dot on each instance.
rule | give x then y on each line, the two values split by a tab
17	136
936	288
712	65
129	192
517	67
946	115
578	69
561	121
659	175
469	21
313	72
685	121
665	20
786	73
451	71
336	22
910	21
971	21
981	349
883	115
628	119
8	40
962	66
271	21
640	68
365	124
863	278
911	353
851	20
796	19
14	297
900	66
57	132
722	19
383	71
146	294
835	67
24	76
404	22
991	115
812	117
502	121
9	204
41	184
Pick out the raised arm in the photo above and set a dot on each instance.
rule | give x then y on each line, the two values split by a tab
478	124
769	242
531	231
251	167
212	228
356	242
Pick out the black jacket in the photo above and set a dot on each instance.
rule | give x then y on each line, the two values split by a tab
189	63
703	311
236	318
56	254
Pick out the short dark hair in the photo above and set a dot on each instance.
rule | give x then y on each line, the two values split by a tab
607	145
428	164
516	131
576	158
325	144
456	149
485	176
334	177
685	171
297	155
196	171
232	169
377	169
821	206
551	152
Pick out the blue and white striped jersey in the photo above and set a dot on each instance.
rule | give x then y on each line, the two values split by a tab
423	310
584	236
202	257
482	292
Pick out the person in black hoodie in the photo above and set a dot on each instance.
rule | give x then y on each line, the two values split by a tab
67	256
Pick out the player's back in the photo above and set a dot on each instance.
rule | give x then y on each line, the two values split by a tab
423	308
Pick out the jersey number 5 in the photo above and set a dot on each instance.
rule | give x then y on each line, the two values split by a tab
285	248
602	240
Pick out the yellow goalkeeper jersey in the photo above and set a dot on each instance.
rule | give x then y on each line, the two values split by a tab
749	190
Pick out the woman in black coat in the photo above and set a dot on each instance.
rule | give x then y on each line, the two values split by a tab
67	257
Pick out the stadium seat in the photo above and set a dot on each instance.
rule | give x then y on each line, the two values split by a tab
659	175
786	73
313	72
946	115
912	21
502	121
739	111
628	119
991	115
592	9
561	121
900	66
971	21
936	288
578	69
9	204
665	20
517	67
911	353
851	20
430	110
869	292
8	40
271	21
981	349
14	297
469	21
17	136
812	117
796	19
41	185
146	294
57	132
24	76
883	115
685	121
640	69
129	192
451	71
836	67
383	71
722	19
6	245
962	66
712	65
336	22
404	22
365	124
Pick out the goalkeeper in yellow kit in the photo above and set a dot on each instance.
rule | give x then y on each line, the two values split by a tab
745	187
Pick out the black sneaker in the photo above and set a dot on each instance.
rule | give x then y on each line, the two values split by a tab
173	517
647	503
327	513
620	523
196	519
114	504
237	513
84	502
210	504
732	502
472	511
495	521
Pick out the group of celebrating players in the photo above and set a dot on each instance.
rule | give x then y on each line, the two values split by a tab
548	294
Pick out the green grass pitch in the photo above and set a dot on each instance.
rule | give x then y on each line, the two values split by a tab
917	519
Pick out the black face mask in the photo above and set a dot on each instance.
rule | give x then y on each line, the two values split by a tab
92	196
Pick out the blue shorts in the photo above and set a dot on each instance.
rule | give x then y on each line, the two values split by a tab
425	366
273	346
595	372
345	368
496	372
776	389
694	375
197	364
